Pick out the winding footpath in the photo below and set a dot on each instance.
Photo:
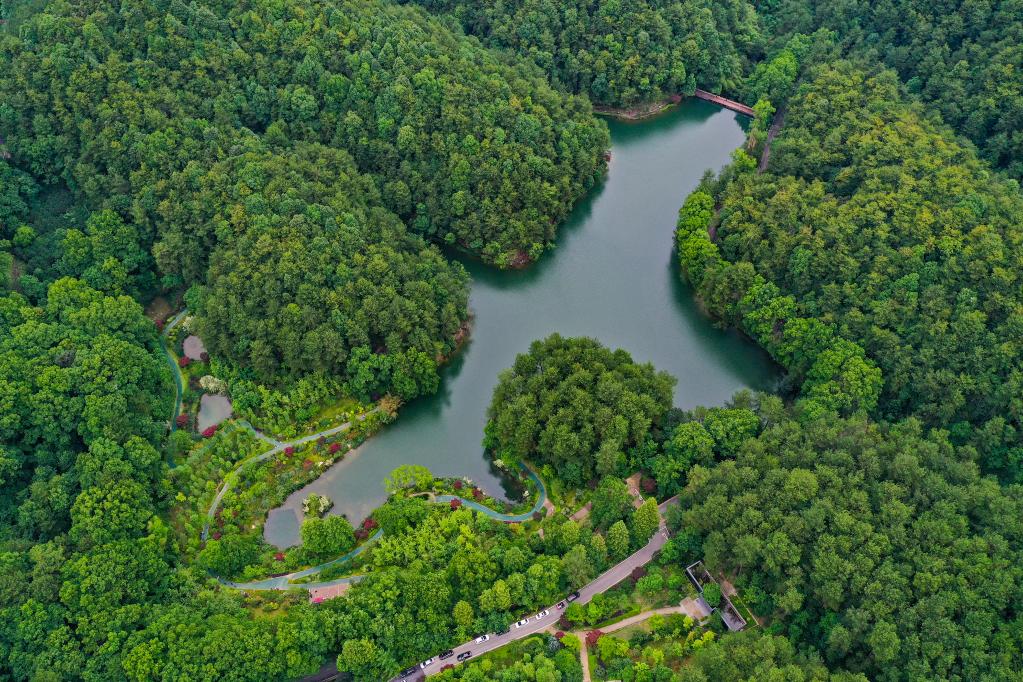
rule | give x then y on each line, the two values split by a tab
285	581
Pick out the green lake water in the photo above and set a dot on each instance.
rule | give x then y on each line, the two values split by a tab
612	277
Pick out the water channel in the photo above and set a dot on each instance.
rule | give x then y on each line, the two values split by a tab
612	277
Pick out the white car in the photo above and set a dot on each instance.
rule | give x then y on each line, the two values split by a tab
426	663
543	614
482	638
524	621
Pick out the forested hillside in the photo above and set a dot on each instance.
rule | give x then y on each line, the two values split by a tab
879	546
621	53
463	146
880	225
964	59
296	174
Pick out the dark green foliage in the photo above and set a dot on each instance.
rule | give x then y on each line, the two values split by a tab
575	405
620	53
880	546
84	384
317	274
880	226
462	145
964	60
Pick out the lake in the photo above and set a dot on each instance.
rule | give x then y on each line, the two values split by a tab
612	276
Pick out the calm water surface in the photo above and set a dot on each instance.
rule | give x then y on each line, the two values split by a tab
612	277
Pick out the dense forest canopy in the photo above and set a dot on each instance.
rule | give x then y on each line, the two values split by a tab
576	406
882	225
85	397
310	268
964	59
288	170
620	53
882	546
464	146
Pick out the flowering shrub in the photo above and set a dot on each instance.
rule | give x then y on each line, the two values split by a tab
477	493
216	535
370	524
184	361
159	325
289	451
182	420
457	485
209	431
334	447
279	556
307	465
648	485
455	504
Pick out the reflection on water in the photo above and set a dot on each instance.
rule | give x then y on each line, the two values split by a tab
612	276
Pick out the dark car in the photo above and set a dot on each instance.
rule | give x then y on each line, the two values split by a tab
503	630
464	655
408	671
573	596
446	654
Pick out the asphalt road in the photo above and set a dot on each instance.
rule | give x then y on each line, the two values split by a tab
601	583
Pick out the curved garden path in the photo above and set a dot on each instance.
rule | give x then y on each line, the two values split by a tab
284	582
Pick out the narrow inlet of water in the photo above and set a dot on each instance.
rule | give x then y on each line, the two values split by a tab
613	277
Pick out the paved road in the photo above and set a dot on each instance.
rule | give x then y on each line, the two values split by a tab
602	583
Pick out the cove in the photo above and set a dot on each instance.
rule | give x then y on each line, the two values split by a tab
613	276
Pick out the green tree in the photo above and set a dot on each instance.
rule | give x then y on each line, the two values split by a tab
618	541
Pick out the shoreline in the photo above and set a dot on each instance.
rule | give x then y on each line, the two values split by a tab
639	112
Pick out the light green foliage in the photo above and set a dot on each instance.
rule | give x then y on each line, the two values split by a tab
327	537
408	478
618	541
712	594
645	521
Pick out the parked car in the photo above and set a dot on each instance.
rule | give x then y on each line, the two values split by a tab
524	621
503	630
573	596
408	671
543	614
482	638
561	604
464	655
446	654
426	663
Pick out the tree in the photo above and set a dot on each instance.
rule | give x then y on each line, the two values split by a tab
408	477
712	595
577	567
645	521
611	502
546	407
463	614
330	536
618	541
